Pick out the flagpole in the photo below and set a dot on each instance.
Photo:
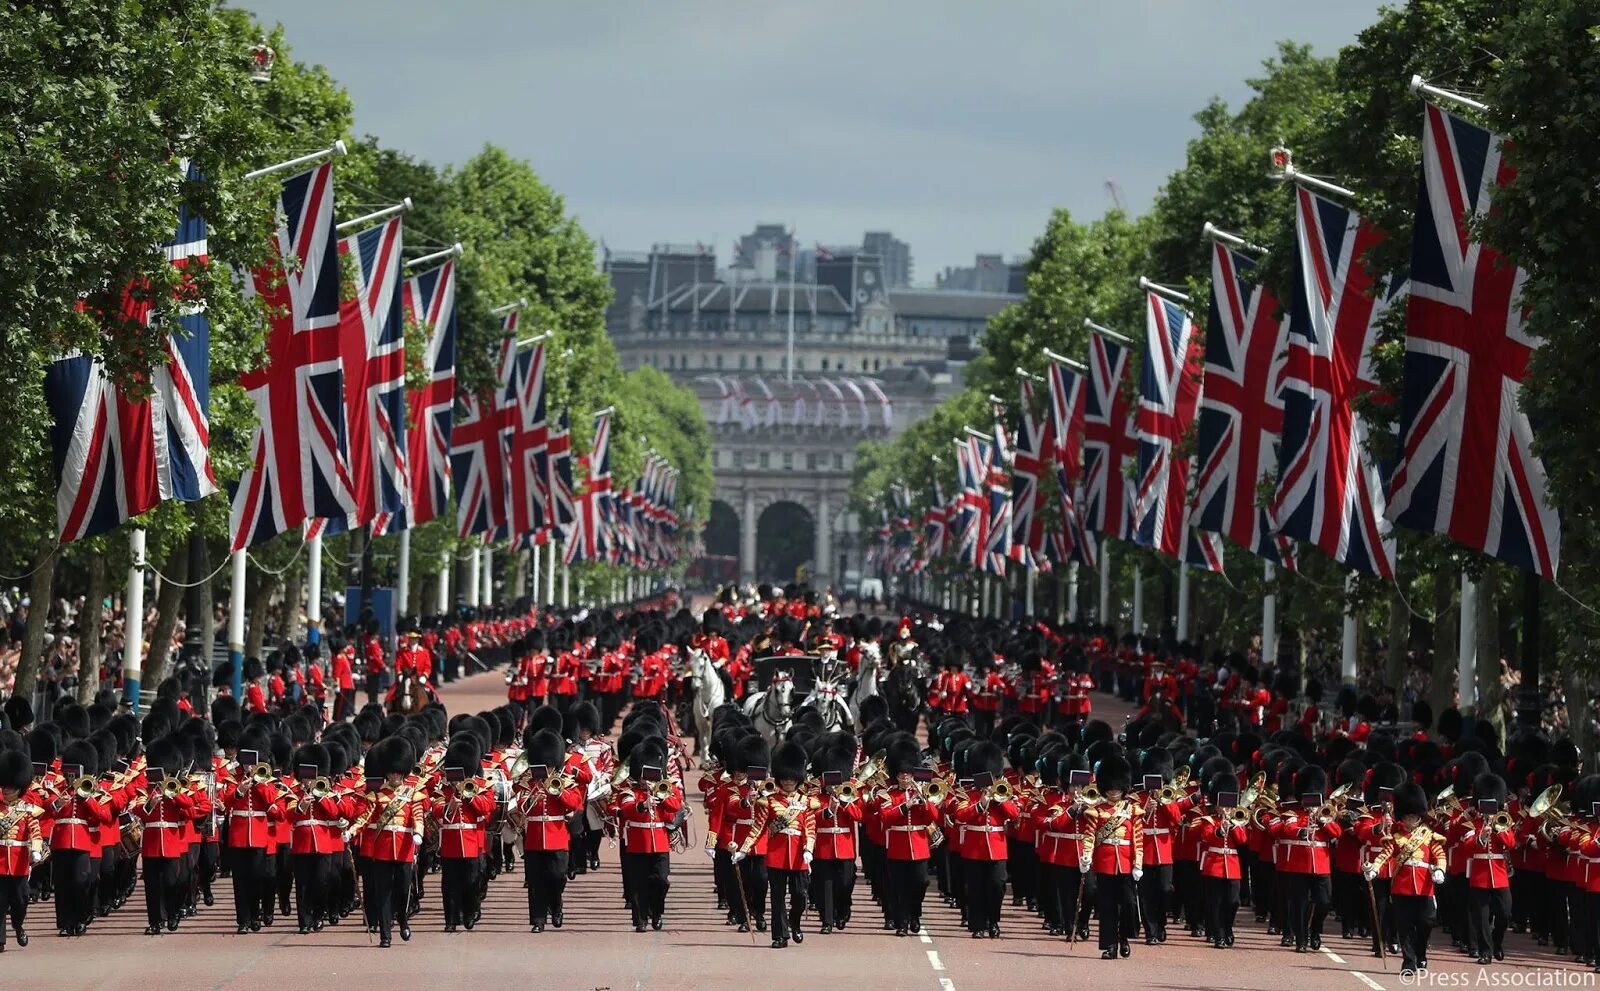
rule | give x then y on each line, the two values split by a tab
454	251
1072	591
1028	591
314	590
1183	602
444	582
133	624
474	574
403	580
566	585
794	263
486	590
371	218
1269	615
550	574
236	625
1347	661
534	556
1138	600
1467	646
335	150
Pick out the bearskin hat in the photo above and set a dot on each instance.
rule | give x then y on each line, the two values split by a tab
789	762
1113	773
751	751
391	755
649	753
904	756
1410	800
1489	785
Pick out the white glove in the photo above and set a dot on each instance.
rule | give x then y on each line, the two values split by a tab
738	856
36	857
1438	877
1138	872
1369	872
711	852
808	857
416	839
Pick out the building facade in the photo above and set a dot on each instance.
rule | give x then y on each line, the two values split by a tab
792	376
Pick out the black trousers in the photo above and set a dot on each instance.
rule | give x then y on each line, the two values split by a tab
1450	902
1022	870
389	891
71	874
905	883
788	893
458	888
1222	904
1050	897
833	881
1591	921
1187	885
1119	911
207	861
1488	914
986	892
650	879
547	882
13	903
373	687
1527	888
872	865
1306	901
723	879
248	865
1413	924
1578	924
313	886
163	888
752	875
105	881
344	704
1153	888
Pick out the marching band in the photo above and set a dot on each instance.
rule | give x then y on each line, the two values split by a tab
1197	808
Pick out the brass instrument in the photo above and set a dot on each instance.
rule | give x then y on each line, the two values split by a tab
768	788
1327	811
1238	817
1446	802
1090	795
85	787
1169	794
1501	821
171	788
468	790
661	790
1547	807
1180	778
320	788
847	792
935	791
262	774
560	783
1000	791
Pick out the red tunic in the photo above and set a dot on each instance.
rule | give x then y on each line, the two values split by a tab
1118	842
1220	842
788	824
462	824
24	839
836	827
643	822
252	809
906	821
981	828
546	826
1306	849
167	823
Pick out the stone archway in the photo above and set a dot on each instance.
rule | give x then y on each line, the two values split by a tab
785	541
722	530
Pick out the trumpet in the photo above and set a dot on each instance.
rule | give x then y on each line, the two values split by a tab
662	790
1000	791
468	790
319	789
171	788
560	783
1168	794
1238	817
1501	821
1090	795
86	786
262	774
936	790
847	792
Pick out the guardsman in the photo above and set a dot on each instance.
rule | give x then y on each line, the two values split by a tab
786	818
460	810
254	802
545	795
1222	837
1419	858
1115	852
1308	834
76	813
166	809
645	807
1490	837
317	816
393	816
748	768
21	842
981	817
1162	820
910	821
837	813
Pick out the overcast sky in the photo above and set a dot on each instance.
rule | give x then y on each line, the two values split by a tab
956	124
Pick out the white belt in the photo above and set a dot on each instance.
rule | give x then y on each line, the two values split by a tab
317	822
249	815
1114	842
1064	836
458	825
1487	856
744	822
163	825
1221	849
833	829
1157	832
1417	863
72	822
547	818
396	829
1314	844
790	832
649	825
985	829
906	829
14	843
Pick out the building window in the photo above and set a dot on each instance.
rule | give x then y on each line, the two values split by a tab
874	364
758	363
838	461
764	460
863	364
799	364
788	461
824	364
741	362
719	362
811	461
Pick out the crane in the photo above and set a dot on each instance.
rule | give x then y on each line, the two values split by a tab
1115	192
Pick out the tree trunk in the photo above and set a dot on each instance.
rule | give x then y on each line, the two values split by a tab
1446	630
208	621
39	585
260	603
1394	661
1578	686
1491	696
168	600
91	649
422	586
293	626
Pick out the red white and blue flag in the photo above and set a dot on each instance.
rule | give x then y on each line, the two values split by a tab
1241	409
559	466
970	519
1029	461
116	457
1072	540
1330	488
529	439
592	539
1169	396
299	459
430	303
479	449
1110	444
372	344
995	456
1467	467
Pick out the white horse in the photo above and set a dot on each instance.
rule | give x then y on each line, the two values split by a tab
708	694
772	710
866	677
827	696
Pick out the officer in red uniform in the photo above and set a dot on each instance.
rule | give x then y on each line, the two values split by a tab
787	820
1306	868
344	681
392	817
460	809
1419	858
645	806
414	658
909	822
1161	823
73	844
981	820
372	651
164	844
833	868
986	693
1221	840
1114	851
545	796
253	806
21	842
1486	845
317	816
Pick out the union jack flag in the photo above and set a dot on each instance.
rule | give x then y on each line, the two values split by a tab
430	303
114	457
997	511
1241	410
595	513
1109	441
1169	395
1467	467
1330	490
478	448
970	517
299	465
372	344
559	465
530	437
1067	423
937	525
1029	462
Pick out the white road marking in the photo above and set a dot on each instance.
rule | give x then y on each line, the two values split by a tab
1364	979
925	937
946	984
1336	958
934	961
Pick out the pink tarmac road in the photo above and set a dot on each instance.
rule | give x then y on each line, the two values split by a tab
598	949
